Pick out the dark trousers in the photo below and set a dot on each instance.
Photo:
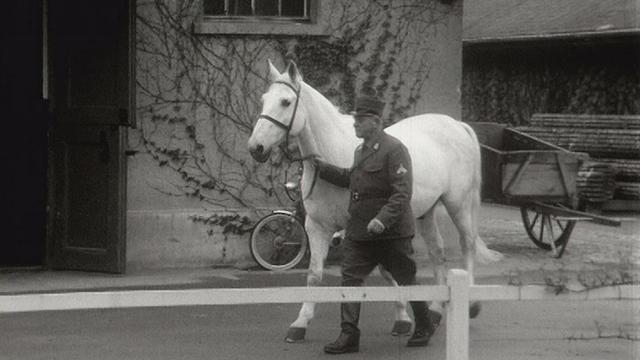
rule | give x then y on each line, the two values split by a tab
359	258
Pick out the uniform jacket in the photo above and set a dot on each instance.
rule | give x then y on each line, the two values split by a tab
380	182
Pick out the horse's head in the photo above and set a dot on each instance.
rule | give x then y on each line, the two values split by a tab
281	115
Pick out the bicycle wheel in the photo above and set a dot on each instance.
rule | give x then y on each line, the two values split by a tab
278	241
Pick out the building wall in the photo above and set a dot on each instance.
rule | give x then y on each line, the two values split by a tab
193	190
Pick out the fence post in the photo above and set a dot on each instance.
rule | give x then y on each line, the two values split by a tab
458	315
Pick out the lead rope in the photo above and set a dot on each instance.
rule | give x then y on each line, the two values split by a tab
316	175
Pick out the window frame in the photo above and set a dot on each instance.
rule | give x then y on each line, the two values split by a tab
304	18
263	25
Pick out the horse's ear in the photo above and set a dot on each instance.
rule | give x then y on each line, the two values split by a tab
273	72
294	74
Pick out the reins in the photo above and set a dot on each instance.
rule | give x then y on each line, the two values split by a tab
287	129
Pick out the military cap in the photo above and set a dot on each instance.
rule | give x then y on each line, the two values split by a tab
368	106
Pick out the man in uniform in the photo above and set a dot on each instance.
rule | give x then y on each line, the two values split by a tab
381	223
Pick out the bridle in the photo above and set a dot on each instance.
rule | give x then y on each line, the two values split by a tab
287	129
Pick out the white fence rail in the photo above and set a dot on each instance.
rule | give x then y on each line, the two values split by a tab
458	293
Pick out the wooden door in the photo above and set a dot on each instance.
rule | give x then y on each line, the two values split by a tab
91	57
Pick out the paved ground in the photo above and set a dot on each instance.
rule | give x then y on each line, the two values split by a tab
540	330
505	330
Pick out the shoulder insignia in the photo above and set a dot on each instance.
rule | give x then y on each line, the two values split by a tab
401	170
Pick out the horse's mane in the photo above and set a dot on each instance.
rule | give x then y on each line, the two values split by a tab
335	125
326	104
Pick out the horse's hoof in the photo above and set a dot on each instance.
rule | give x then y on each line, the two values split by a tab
435	317
474	310
401	328
295	335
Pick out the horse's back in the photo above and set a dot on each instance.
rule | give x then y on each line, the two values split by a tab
435	128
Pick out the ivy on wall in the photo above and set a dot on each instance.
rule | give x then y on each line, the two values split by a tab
198	95
509	84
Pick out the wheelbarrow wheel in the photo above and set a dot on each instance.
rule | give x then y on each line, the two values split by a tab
544	228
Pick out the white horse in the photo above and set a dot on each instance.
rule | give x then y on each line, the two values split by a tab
446	169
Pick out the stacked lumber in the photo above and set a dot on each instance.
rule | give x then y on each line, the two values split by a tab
625	169
620	122
627	190
605	143
595	182
612	142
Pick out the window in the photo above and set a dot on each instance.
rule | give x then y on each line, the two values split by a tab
239	9
260	17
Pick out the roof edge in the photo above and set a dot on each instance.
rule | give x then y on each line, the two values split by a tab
553	36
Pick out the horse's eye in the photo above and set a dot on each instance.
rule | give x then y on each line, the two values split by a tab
285	102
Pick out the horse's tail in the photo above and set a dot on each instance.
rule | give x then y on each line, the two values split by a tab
477	159
483	255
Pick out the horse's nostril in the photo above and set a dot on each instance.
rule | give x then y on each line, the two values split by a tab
258	153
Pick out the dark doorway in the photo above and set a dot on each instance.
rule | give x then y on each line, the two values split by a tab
90	59
67	95
24	135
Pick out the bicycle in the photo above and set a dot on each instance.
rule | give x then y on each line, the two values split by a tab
279	240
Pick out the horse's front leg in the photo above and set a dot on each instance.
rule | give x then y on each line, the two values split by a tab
402	325
319	241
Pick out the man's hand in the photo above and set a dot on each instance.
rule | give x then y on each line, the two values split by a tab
375	226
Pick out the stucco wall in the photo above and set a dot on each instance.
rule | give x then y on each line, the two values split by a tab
193	191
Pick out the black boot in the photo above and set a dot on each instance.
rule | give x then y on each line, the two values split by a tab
346	343
349	339
424	327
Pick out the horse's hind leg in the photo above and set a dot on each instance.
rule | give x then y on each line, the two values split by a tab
402	325
464	216
428	230
319	241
